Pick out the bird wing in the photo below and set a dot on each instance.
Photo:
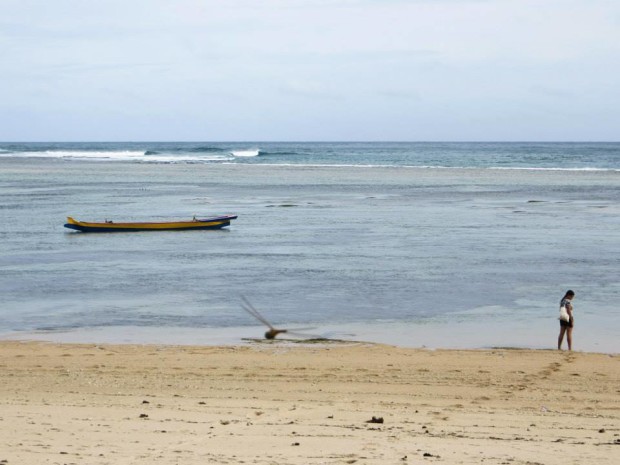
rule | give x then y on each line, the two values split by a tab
248	307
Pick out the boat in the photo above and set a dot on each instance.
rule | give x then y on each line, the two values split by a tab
216	222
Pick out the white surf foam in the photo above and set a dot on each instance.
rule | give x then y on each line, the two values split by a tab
124	155
245	153
85	154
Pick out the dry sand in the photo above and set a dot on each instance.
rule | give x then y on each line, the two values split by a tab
279	403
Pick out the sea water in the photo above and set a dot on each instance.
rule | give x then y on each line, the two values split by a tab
415	244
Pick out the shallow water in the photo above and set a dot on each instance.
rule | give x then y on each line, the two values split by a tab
460	257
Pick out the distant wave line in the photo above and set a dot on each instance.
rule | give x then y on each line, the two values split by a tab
120	155
92	154
186	156
438	167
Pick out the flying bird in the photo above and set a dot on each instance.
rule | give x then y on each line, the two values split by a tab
272	332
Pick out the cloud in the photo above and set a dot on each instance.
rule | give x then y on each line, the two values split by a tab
247	61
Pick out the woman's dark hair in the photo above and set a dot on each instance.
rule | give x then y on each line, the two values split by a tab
569	293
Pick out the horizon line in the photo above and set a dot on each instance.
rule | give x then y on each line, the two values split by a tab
294	141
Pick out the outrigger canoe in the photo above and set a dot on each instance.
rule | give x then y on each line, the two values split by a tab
216	222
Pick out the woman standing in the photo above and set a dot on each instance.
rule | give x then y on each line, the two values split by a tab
567	326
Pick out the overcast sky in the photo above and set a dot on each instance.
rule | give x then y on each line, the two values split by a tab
253	70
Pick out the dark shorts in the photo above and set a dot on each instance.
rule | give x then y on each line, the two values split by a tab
566	324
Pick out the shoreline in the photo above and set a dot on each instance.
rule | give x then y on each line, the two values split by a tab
303	404
434	335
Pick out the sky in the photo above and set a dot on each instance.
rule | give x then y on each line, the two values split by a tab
310	70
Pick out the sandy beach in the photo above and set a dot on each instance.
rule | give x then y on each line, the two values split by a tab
284	403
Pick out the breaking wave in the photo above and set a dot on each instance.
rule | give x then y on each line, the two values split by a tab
245	153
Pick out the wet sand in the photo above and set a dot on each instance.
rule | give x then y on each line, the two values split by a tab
284	403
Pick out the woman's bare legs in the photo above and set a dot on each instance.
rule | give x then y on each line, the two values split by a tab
561	337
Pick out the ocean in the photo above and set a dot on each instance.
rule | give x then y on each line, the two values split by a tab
455	245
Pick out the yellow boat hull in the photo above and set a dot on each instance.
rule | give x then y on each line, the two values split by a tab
216	222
